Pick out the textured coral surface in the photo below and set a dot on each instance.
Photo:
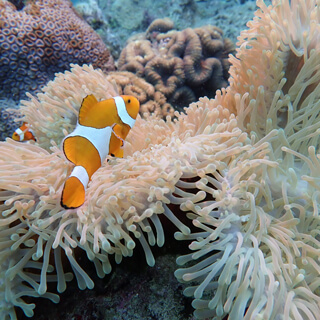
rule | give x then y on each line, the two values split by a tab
181	65
41	39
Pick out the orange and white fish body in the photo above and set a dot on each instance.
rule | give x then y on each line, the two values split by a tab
100	131
23	133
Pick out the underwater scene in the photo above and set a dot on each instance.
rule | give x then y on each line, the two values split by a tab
159	160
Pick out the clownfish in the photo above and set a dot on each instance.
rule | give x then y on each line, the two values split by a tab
23	133
100	131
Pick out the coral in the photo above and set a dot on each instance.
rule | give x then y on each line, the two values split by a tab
242	167
165	74
184	14
159	26
192	59
135	56
151	101
41	39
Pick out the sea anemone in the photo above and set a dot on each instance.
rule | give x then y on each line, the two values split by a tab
124	198
256	256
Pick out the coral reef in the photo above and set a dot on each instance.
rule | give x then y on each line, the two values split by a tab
242	167
159	26
124	200
181	65
41	39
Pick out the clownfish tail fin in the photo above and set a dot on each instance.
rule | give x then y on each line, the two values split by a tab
73	193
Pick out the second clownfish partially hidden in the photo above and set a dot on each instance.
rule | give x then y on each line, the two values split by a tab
100	131
24	133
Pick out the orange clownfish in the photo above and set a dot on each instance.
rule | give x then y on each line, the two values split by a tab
23	133
100	131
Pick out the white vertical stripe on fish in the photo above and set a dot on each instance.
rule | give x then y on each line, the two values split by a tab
81	173
20	133
100	138
122	112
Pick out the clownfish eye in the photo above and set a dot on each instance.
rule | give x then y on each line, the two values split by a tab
129	101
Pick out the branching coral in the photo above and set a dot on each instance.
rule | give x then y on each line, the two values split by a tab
41	39
195	59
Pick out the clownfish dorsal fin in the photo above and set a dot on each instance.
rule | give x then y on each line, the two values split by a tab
87	103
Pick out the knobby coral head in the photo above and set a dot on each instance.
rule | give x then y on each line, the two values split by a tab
43	38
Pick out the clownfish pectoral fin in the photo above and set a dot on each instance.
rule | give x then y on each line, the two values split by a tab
73	193
116	142
118	153
86	105
120	131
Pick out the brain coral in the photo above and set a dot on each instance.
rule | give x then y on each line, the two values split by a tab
151	101
247	178
181	65
41	39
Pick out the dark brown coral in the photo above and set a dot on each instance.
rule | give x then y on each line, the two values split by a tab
193	60
165	74
182	97
151	101
135	56
159	26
